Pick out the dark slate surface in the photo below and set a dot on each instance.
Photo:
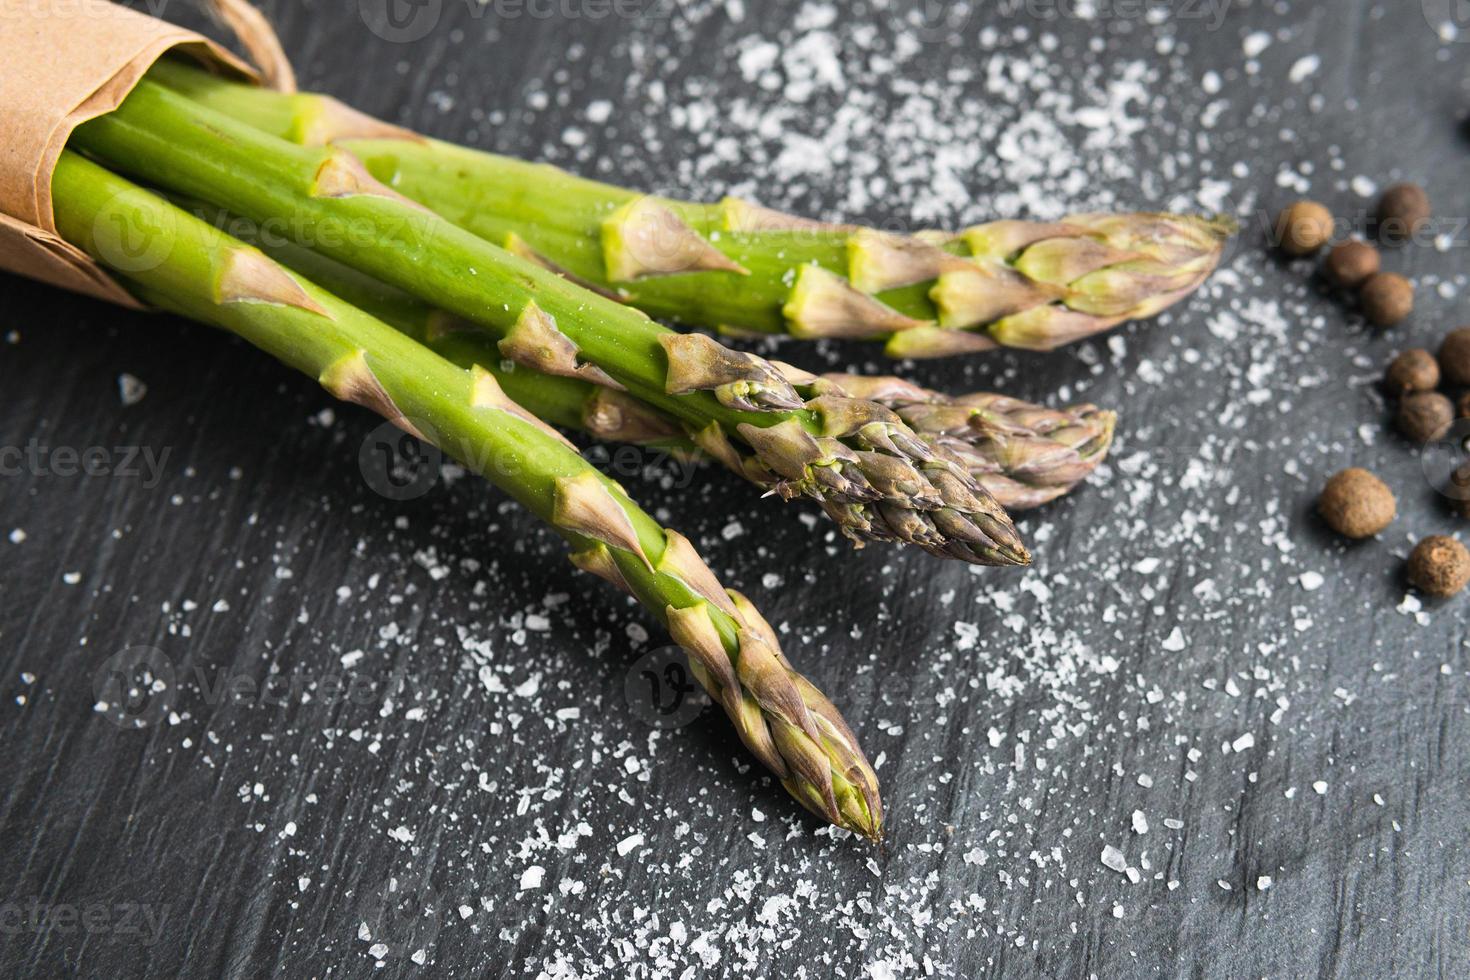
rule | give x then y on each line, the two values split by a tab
1163	656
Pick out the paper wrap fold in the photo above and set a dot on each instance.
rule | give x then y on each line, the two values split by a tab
67	61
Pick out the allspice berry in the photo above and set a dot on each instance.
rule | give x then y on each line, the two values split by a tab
1356	504
1459	490
1303	228
1439	566
1387	298
1403	211
1351	263
1424	416
1413	370
1454	357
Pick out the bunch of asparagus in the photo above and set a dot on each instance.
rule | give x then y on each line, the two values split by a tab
397	298
204	274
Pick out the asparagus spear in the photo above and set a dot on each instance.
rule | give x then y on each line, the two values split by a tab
188	266
743	268
1024	454
867	468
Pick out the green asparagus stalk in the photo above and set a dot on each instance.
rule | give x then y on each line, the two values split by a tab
868	469
175	261
746	269
1025	455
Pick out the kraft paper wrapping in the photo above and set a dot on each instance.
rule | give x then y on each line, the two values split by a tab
64	62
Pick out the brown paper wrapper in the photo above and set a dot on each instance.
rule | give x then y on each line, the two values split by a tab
64	62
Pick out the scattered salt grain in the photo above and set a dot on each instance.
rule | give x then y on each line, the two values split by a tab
130	390
1255	43
1304	68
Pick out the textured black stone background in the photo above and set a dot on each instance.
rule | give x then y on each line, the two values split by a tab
191	818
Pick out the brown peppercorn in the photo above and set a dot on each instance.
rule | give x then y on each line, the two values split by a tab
1403	211
1413	370
1303	228
1356	504
1454	357
1387	298
1351	263
1425	416
1462	407
1439	566
1459	490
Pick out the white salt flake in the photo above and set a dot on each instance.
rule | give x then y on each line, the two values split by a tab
1304	68
130	390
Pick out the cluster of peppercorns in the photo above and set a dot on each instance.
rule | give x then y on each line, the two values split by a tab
1357	504
1414	377
1387	297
